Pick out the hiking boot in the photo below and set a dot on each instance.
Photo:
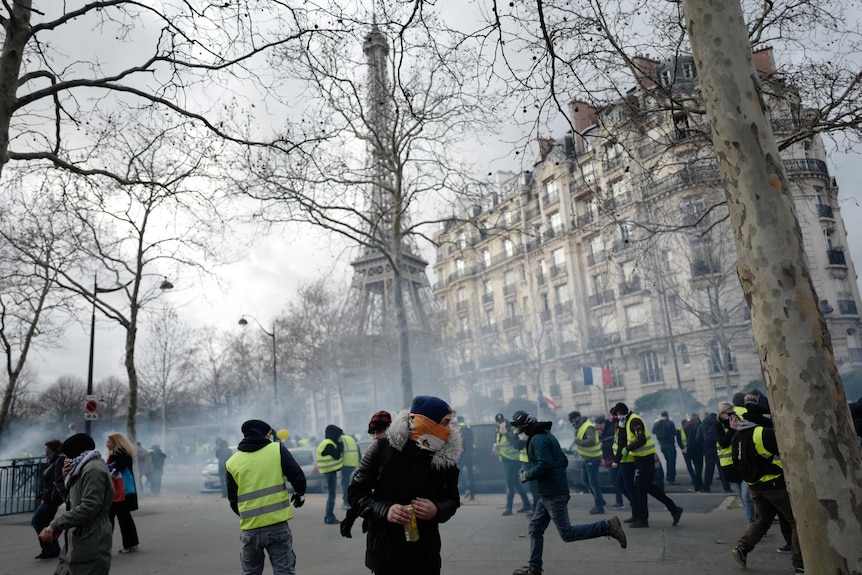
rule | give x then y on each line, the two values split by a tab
739	555
597	511
676	514
615	530
525	570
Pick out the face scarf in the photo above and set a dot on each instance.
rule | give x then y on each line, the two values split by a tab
426	433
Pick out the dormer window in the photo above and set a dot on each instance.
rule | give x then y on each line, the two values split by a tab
667	78
689	71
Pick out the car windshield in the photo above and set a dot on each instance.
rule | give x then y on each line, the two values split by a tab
303	457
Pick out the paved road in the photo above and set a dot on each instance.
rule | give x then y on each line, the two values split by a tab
189	533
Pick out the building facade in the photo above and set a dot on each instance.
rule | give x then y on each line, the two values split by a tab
615	251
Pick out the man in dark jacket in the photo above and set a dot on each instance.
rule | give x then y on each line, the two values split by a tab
329	457
49	497
755	454
547	466
664	431
707	436
412	474
256	491
694	452
85	525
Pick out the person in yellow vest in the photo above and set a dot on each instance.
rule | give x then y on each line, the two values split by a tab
755	454
350	459
329	462
636	457
257	493
590	449
724	432
504	447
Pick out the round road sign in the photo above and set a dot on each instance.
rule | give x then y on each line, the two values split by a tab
91	406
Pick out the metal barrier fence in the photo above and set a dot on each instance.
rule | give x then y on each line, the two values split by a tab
20	484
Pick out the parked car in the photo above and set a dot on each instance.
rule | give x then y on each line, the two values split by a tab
576	464
304	456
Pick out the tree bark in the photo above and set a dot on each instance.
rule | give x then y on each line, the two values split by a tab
822	461
16	34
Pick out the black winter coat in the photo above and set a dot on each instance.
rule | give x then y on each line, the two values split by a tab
396	470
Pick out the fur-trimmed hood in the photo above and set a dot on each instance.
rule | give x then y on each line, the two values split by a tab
448	455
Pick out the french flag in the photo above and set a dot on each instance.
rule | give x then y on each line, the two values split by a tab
597	374
547	399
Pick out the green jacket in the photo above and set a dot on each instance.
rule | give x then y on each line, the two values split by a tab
85	524
548	463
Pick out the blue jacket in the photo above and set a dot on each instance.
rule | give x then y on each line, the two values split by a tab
547	463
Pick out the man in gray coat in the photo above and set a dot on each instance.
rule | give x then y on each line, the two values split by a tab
85	524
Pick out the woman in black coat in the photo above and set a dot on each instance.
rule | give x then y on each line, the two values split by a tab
417	465
120	461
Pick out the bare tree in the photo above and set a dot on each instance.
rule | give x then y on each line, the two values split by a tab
388	127
61	401
165	365
112	392
32	310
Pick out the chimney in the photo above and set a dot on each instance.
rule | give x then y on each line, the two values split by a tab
582	115
645	71
545	145
764	62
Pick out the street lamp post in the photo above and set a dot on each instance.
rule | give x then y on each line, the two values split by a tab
165	285
243	322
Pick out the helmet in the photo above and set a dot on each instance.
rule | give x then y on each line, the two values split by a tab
756	400
499	418
522	419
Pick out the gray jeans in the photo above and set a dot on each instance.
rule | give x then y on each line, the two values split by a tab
278	542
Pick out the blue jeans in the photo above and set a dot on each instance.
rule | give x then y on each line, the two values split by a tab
556	508
42	517
278	542
745	496
513	485
330	494
590	477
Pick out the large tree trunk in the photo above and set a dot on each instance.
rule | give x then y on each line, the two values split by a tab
823	465
402	327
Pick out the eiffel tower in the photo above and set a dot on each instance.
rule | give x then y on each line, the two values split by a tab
370	370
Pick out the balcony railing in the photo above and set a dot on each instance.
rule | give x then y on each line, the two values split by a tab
558	271
855	354
597	341
545	315
509	289
637	332
511	322
825	211
631	286
564	308
703	268
542	279
488	298
463	335
595	258
462	306
601	298
550	199
847	307
836	257
489	329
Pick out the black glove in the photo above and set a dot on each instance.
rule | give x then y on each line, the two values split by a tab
347	525
522	476
298	500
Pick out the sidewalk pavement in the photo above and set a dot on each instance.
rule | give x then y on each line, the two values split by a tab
198	534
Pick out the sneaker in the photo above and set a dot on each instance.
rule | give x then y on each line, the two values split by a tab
597	511
799	569
331	521
507	512
615	530
525	570
131	549
739	555
784	550
617	506
676	514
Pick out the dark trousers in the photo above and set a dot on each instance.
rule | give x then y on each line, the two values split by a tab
330	494
669	452
637	478
694	463
619	486
465	479
767	504
346	476
513	485
155	481
41	519
710	465
127	525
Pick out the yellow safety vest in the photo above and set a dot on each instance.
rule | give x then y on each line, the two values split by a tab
725	454
262	496
505	449
763	452
327	463
350	457
682	437
647	448
627	458
593	451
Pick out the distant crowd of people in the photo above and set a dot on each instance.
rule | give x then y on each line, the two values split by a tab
410	480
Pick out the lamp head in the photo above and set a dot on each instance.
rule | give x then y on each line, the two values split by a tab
165	284
243	322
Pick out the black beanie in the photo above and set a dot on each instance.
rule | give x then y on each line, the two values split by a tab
76	445
255	428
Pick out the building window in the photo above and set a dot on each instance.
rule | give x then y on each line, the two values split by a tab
486	258
667	78
715	359
680	123
650	368
688	70
589	172
555	224
683	354
459	267
508	248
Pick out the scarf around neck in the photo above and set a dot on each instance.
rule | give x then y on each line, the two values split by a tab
78	464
